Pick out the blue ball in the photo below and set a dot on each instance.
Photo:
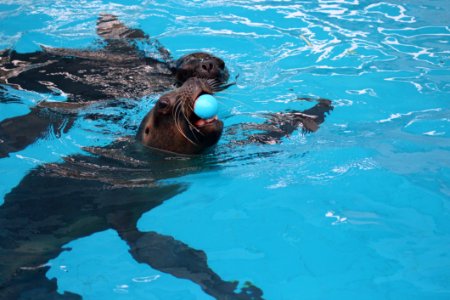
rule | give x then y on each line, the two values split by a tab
206	106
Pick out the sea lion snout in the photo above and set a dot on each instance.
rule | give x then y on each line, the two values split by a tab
212	67
201	65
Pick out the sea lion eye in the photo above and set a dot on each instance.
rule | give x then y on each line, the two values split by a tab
163	104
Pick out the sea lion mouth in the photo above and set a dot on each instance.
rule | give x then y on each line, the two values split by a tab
206	122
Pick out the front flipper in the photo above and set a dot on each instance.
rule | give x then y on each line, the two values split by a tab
119	37
17	133
168	255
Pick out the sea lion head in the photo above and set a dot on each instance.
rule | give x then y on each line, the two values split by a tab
200	65
173	126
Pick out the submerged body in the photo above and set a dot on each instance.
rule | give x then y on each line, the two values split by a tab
109	189
113	186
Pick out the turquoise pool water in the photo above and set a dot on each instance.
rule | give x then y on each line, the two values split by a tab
358	210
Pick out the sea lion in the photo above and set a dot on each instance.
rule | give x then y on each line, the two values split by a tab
113	186
117	70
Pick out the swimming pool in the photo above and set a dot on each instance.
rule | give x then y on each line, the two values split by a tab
358	210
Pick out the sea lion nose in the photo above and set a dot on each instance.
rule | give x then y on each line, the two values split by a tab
207	66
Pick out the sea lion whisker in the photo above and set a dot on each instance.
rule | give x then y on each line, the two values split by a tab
225	86
177	123
175	117
176	109
191	126
212	82
178	126
191	108
218	86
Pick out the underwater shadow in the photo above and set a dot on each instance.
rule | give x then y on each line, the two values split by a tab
110	188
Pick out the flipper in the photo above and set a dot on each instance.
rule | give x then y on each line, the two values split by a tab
18	132
319	112
119	37
168	255
110	28
283	124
